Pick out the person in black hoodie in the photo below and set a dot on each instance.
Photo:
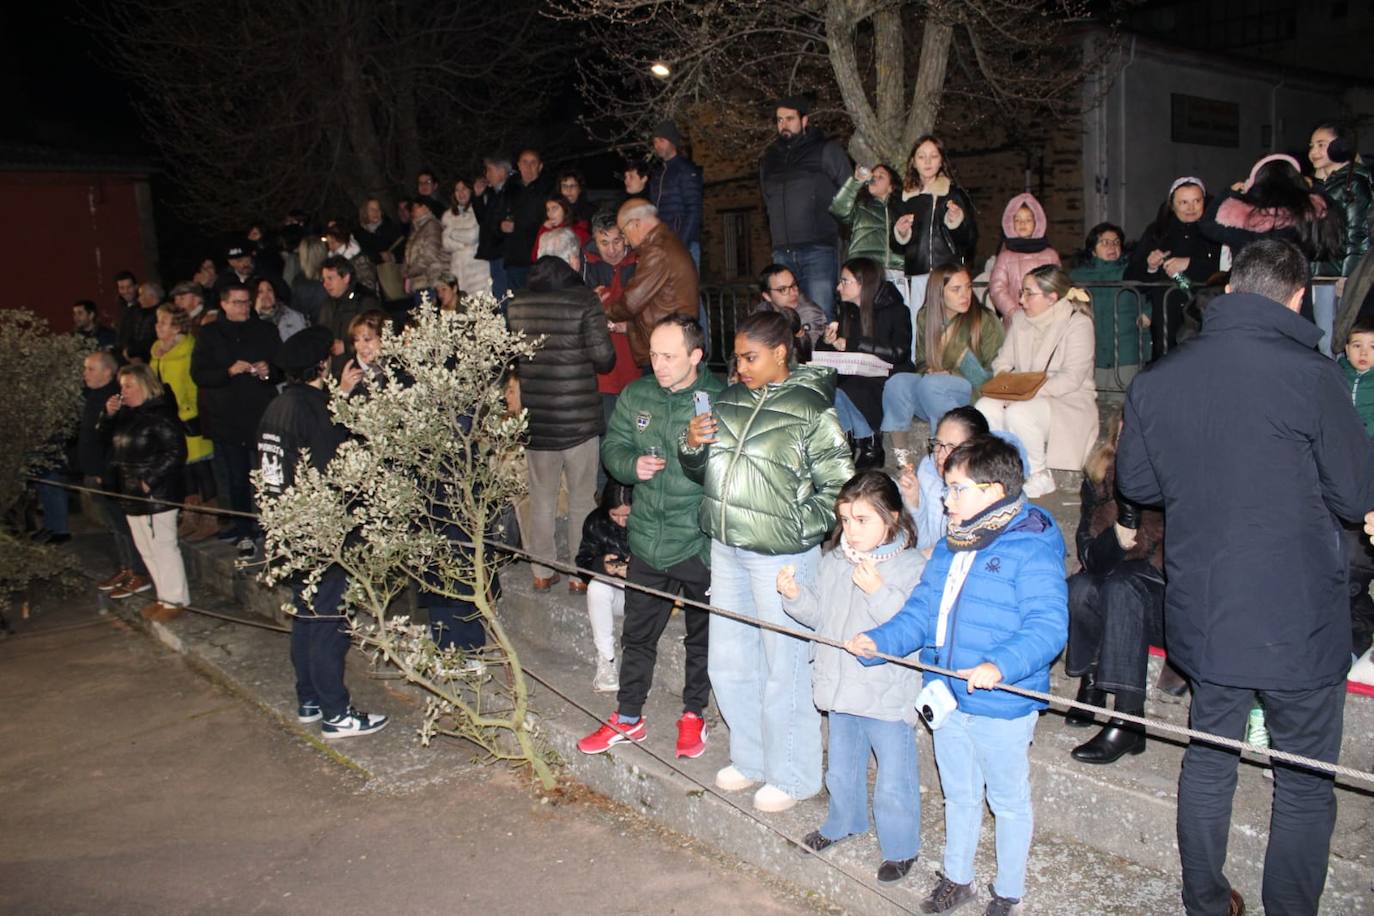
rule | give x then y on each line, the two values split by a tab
559	390
1174	247
232	367
1248	440
299	420
147	461
873	319
606	550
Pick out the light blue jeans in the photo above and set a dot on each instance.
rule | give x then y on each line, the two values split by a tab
1324	313
896	792
851	418
762	679
908	395
977	751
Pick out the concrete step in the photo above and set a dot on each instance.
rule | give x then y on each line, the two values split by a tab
1126	810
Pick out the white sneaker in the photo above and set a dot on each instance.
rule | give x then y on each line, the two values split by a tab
607	678
1041	483
352	724
732	780
772	799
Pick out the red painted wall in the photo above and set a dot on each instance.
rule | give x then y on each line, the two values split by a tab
64	237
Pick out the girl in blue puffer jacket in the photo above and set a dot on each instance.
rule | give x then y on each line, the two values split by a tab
993	606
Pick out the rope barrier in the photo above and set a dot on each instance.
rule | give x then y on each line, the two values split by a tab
1183	731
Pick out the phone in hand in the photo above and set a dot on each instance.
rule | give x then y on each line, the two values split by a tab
702	402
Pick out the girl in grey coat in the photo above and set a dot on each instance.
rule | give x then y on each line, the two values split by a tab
862	582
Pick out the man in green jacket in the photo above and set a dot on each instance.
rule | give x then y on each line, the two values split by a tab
668	550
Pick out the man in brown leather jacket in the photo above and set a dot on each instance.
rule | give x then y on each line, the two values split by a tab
665	282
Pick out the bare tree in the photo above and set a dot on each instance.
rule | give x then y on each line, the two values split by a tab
257	107
1011	60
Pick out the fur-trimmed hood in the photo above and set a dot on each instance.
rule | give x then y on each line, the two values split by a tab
1235	213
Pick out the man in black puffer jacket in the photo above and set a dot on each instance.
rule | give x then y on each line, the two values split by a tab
558	388
800	172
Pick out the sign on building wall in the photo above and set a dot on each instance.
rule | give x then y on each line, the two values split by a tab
1207	122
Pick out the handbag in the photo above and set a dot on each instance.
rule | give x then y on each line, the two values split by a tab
1021	386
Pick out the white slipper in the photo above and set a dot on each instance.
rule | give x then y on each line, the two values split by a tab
732	780
772	799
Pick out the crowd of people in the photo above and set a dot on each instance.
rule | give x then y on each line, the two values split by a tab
768	491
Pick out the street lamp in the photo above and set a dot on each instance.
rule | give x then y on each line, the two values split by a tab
661	70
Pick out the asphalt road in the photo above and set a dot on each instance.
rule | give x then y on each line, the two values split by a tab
131	784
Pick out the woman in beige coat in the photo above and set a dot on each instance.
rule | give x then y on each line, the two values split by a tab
1053	333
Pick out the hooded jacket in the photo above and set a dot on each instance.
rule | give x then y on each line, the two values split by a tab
837	608
173	369
1361	386
931	243
664	529
1018	256
1247	439
1013	611
779	461
675	189
870	224
799	176
558	383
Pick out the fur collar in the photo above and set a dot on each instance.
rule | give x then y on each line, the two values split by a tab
939	187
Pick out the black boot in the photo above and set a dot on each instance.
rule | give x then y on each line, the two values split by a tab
1087	693
853	446
869	455
1117	737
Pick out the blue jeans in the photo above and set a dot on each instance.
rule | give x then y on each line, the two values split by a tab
817	269
977	751
1324	313
319	647
517	277
694	249
54	503
762	679
896	792
499	285
851	418
908	395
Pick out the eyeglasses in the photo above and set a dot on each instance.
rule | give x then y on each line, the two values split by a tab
935	445
959	489
848	281
784	289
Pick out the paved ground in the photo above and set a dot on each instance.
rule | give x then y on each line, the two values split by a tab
131	784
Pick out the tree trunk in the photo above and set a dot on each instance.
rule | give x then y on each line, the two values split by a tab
890	56
361	131
936	40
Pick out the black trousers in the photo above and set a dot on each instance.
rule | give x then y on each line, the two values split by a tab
319	645
1113	620
646	616
1361	559
1307	722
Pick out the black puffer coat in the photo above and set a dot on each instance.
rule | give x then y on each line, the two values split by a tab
558	384
147	446
601	536
799	177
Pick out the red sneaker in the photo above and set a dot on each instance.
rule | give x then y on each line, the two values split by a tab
612	733
691	735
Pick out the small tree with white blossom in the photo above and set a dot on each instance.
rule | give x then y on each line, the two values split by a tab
432	445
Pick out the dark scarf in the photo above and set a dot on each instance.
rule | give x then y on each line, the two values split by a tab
985	527
1025	246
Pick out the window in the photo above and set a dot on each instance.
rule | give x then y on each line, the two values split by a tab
737	248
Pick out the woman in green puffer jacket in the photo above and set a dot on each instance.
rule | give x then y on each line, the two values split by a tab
772	458
861	204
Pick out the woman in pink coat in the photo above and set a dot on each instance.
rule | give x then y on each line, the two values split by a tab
1024	248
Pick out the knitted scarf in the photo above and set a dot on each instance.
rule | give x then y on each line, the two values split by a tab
878	554
985	527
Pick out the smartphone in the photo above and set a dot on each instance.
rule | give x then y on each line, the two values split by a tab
702	401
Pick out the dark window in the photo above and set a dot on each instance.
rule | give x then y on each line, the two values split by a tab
737	247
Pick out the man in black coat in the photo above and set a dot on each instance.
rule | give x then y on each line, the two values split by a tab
558	388
299	420
493	195
526	215
1248	439
232	367
800	172
93	464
